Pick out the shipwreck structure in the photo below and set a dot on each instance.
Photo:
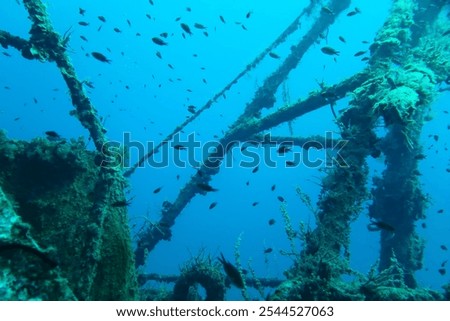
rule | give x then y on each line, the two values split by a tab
408	59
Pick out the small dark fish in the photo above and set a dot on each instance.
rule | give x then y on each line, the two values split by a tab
151	2
148	16
444	248
360	53
81	11
424	225
206	187
255	203
89	84
164	34
222	19
244	27
247	183
177	19
268	250
441	211
420	156
329	51
83	38
191	109
83	23
442	271
212	205
159	41
100	57
186	28
6	54
436	137
52	135
342	39
101	18
129	23
199	26
272	221
444	263
375	226
365	59
248	15
117	30
157	190
188	9
274	55
283	149
255	169
290	164
280	198
158	54
232	272
17	118
180	147
273	187
354	12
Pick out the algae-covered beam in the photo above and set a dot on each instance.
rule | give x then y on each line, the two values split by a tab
314	141
314	101
265	95
398	199
7	39
403	103
426	14
47	45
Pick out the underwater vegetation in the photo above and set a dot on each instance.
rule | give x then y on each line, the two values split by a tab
53	190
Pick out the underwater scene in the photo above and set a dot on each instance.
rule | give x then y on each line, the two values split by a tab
224	150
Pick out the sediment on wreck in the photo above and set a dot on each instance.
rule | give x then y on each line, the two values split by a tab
53	188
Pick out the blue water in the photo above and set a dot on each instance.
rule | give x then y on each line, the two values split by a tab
37	100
